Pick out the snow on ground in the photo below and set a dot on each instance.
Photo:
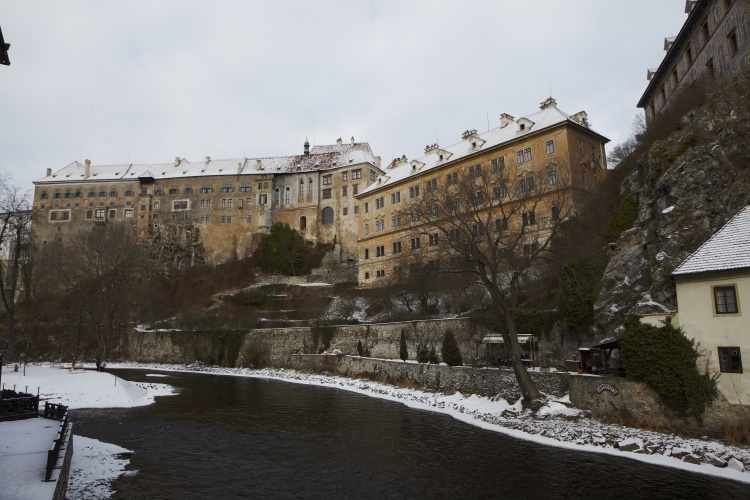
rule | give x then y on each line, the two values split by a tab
557	425
82	388
95	464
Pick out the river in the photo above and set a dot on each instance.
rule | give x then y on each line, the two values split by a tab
229	437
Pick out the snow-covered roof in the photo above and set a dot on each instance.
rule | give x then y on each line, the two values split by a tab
728	249
321	158
473	142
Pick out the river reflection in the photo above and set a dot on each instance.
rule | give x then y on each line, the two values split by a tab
232	437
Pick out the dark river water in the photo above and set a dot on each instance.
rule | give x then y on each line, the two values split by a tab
231	437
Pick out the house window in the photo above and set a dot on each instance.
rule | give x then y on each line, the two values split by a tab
227	202
180	205
246	188
157	191
395	197
380	273
552	177
367	207
327	179
431	186
555	212
226	219
43	195
205	203
277	196
343	191
414	191
432	211
526	185
396	221
89	214
172	190
499	192
128	213
380	251
379	203
530	248
207	189
327	215
414	217
475	171
433	239
79	194
367	253
415	243
262	199
501	224
529	218
343	176
550	147
580	146
355	188
725	299
113	214
379	225
227	188
396	247
732	42
356	174
187	190
675	80
99	214
373	175
523	155
367	229
497	165
367	276
730	360
326	194
288	196
248	218
356	209
345	211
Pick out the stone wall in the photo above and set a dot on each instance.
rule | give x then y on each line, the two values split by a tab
636	403
467	380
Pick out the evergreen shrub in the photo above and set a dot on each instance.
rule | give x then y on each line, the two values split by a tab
403	351
450	351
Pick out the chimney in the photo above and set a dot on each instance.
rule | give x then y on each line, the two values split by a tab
352	140
377	161
239	167
338	141
468	133
307	147
431	147
87	169
49	172
505	119
258	164
208	160
547	103
176	160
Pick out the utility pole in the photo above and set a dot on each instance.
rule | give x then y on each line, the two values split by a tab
4	47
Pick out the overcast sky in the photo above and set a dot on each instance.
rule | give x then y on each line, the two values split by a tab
137	81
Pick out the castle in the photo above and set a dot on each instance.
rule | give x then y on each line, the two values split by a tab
211	210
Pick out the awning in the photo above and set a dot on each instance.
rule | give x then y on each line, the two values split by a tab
498	339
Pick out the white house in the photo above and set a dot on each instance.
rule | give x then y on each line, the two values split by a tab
712	285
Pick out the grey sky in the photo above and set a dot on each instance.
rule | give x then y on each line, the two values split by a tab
145	81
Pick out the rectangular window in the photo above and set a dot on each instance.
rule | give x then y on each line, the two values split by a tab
501	224
415	217
396	247
367	253
180	205
205	203
530	248
356	174
689	57
433	239
99	214
172	190
550	147
730	359
356	209
552	177
529	218
497	165
379	202
555	212
343	176
157	191
432	211
367	207
43	195
227	202
207	189
380	251
128	213
327	179
345	211
89	214
355	188
710	73
113	214
248	218
725	299
396	221
187	190
475	171
367	229
263	199
523	155
499	192
380	273
431	186
226	219
379	225
580	147
326	194
343	191
245	188
227	188
395	197
414	191
415	243
373	175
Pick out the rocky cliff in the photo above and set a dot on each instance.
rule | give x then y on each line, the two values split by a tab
686	186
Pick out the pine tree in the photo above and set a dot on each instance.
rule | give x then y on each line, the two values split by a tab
403	351
360	351
450	352
423	355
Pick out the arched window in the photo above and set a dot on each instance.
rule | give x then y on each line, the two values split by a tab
276	197
327	215
301	186
288	196
309	186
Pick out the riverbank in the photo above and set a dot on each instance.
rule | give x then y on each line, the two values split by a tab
557	425
95	464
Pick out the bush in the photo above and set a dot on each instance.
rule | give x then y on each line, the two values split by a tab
247	299
282	250
450	351
403	351
432	357
422	354
665	359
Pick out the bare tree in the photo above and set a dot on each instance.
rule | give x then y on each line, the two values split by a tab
15	228
497	226
102	270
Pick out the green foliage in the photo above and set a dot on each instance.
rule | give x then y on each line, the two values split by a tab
322	336
450	351
625	216
247	299
665	359
360	350
533	322
422	354
578	286
282	250
403	351
432	357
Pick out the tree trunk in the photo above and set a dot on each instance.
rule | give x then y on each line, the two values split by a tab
531	394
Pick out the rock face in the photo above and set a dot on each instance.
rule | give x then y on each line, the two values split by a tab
688	186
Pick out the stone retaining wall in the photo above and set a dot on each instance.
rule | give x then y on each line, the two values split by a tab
61	488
